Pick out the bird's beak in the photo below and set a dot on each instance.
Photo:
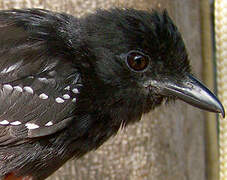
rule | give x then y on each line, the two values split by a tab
193	92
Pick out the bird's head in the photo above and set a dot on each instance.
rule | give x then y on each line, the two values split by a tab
143	54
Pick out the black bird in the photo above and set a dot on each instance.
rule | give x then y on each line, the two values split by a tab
68	84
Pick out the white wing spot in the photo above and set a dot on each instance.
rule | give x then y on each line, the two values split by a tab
8	87
50	66
43	96
52	73
66	96
15	123
4	122
75	90
28	89
59	100
11	68
49	123
45	80
18	88
31	126
67	88
74	100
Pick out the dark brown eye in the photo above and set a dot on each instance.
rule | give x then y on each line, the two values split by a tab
137	61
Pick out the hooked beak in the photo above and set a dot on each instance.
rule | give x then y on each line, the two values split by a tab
192	92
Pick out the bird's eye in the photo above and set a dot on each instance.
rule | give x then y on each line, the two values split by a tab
137	61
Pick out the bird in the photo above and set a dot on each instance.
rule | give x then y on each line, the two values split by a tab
68	84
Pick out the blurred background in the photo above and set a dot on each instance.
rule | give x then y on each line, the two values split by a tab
175	142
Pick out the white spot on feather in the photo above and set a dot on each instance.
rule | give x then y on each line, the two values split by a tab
52	73
18	88
31	126
59	100
4	122
50	66
67	88
75	90
8	87
49	123
74	100
45	80
28	89
43	96
11	68
66	96
15	123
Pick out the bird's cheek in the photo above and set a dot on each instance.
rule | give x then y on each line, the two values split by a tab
152	102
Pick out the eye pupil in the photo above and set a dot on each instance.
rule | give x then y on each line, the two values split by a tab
137	61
